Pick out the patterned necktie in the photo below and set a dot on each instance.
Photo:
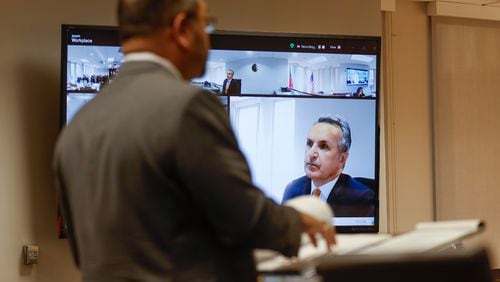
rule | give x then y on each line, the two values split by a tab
316	192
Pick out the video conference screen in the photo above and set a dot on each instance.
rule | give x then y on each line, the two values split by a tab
274	88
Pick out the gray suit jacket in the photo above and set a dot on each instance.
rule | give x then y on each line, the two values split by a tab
154	188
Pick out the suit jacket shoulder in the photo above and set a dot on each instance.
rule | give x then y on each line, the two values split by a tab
298	187
347	190
351	198
347	198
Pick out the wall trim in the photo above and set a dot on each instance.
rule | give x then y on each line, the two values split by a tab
388	5
388	100
461	10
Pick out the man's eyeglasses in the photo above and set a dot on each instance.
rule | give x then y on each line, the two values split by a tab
210	23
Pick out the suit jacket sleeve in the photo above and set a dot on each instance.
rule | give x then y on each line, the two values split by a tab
67	219
238	86
288	194
217	177
223	90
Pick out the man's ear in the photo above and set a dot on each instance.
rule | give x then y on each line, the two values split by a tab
181	32
343	158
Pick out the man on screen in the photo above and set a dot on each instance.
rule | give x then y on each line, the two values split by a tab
327	150
231	86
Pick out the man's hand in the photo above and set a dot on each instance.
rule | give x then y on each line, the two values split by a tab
312	226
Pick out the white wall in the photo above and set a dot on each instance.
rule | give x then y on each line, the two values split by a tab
466	71
29	124
352	17
271	74
409	118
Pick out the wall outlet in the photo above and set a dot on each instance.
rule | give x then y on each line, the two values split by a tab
30	254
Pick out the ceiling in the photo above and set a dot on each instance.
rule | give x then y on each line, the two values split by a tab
96	56
314	60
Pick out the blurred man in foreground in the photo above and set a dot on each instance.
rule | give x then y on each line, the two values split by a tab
152	184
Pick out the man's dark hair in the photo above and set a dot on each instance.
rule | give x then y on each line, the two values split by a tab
142	17
340	122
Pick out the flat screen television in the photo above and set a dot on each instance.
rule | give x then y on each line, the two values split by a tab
356	77
284	83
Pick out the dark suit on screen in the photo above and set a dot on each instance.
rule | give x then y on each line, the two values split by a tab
148	175
234	87
347	198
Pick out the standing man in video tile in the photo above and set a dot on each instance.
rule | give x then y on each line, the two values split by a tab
231	86
327	150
